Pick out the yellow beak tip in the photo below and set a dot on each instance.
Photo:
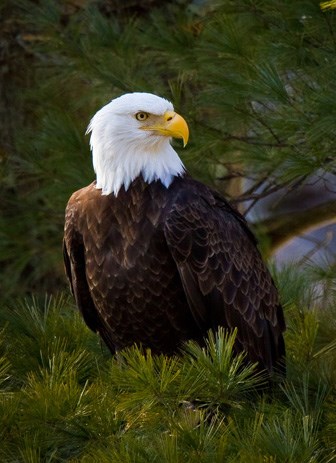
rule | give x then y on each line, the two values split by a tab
177	127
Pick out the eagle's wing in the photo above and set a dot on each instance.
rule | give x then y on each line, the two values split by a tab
74	262
223	275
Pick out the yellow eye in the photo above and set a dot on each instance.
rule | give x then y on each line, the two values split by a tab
141	116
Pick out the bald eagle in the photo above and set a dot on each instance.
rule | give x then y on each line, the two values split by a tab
157	258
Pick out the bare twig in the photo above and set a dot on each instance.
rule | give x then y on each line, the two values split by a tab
284	227
319	244
256	196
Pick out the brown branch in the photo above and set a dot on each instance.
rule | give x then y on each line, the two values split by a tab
264	124
250	195
318	245
284	227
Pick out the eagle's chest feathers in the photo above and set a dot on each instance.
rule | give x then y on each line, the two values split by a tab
130	226
133	275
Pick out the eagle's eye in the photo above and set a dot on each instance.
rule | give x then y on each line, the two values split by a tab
141	116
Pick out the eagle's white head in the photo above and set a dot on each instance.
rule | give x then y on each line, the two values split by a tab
130	136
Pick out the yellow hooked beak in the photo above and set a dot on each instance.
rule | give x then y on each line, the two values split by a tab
172	125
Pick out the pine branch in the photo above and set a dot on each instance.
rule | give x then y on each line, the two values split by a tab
286	226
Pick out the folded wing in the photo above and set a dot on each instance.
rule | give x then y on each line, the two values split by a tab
224	277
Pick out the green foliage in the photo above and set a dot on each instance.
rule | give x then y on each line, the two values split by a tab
224	379
63	398
42	338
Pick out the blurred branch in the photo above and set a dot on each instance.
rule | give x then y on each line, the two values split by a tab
286	226
318	246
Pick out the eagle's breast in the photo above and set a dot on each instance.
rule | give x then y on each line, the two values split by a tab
132	277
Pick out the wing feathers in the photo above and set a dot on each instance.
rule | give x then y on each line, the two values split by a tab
223	275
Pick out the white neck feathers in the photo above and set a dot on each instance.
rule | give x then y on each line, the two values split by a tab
121	163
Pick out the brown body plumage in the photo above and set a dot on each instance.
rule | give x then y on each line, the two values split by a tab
158	266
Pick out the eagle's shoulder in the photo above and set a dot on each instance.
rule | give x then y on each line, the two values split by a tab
207	203
83	195
81	200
